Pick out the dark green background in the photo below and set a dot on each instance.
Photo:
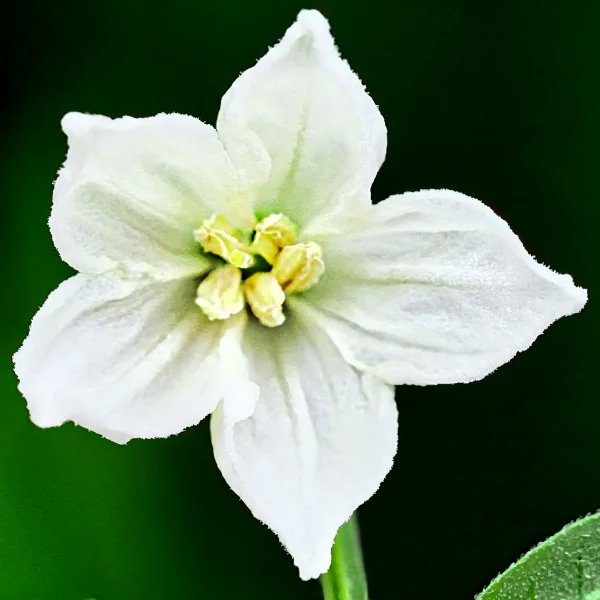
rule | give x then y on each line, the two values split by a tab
496	99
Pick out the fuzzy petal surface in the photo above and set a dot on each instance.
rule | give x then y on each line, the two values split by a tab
303	130
434	288
132	191
126	359
320	439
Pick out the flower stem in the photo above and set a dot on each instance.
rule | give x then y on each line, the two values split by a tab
346	578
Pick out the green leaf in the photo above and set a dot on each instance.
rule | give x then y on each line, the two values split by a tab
564	567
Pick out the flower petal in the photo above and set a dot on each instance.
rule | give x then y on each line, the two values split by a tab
319	443
124	359
303	110
132	191
435	288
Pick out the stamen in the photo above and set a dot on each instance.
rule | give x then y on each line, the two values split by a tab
299	267
272	234
293	268
218	236
266	298
220	293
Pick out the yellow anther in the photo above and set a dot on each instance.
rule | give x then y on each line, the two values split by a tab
299	267
218	236
240	259
220	293
272	234
266	298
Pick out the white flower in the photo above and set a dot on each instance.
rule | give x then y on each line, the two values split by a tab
166	218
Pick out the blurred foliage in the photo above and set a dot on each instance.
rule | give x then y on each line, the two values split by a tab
496	99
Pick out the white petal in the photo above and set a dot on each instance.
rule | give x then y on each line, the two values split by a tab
303	110
320	441
132	191
435	288
124	359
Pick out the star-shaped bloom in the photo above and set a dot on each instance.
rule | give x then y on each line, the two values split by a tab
243	272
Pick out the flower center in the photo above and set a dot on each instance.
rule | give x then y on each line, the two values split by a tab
257	269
